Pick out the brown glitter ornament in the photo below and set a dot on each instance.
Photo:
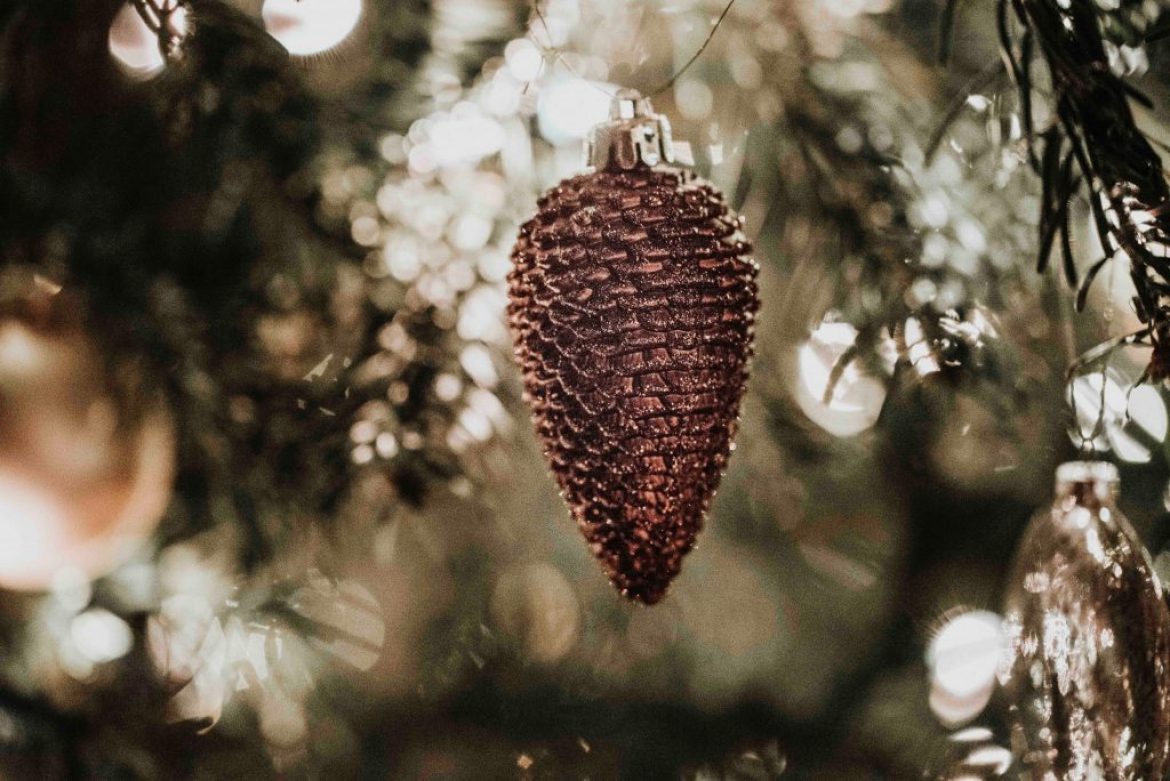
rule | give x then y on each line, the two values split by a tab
632	306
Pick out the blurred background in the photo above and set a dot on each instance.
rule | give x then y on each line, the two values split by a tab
270	501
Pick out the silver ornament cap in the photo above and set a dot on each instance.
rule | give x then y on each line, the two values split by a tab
633	135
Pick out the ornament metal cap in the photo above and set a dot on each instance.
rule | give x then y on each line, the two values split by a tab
1087	479
633	135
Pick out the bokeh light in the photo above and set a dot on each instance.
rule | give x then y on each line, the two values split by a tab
1145	426
972	754
135	47
100	636
535	606
857	398
570	107
307	27
963	657
29	531
524	59
1114	414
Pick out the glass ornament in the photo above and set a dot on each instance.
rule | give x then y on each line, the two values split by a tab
1087	640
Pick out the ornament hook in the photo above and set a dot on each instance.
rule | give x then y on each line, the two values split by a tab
634	135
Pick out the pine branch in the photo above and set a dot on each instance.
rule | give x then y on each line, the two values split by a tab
869	199
1123	174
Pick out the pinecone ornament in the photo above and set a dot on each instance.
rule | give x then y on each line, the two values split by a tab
632	306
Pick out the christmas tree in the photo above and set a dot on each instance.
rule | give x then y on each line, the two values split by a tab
320	332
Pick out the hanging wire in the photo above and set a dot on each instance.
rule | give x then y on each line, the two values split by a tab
558	55
157	15
714	29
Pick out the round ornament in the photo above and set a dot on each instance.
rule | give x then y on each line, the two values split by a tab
632	306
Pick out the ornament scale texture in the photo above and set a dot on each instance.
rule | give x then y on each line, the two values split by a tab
632	306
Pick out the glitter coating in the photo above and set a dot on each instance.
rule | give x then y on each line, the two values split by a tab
632	306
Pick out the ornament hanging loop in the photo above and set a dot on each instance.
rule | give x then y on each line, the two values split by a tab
634	135
1087	483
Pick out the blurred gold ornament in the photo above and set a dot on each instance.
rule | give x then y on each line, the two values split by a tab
83	481
1088	640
